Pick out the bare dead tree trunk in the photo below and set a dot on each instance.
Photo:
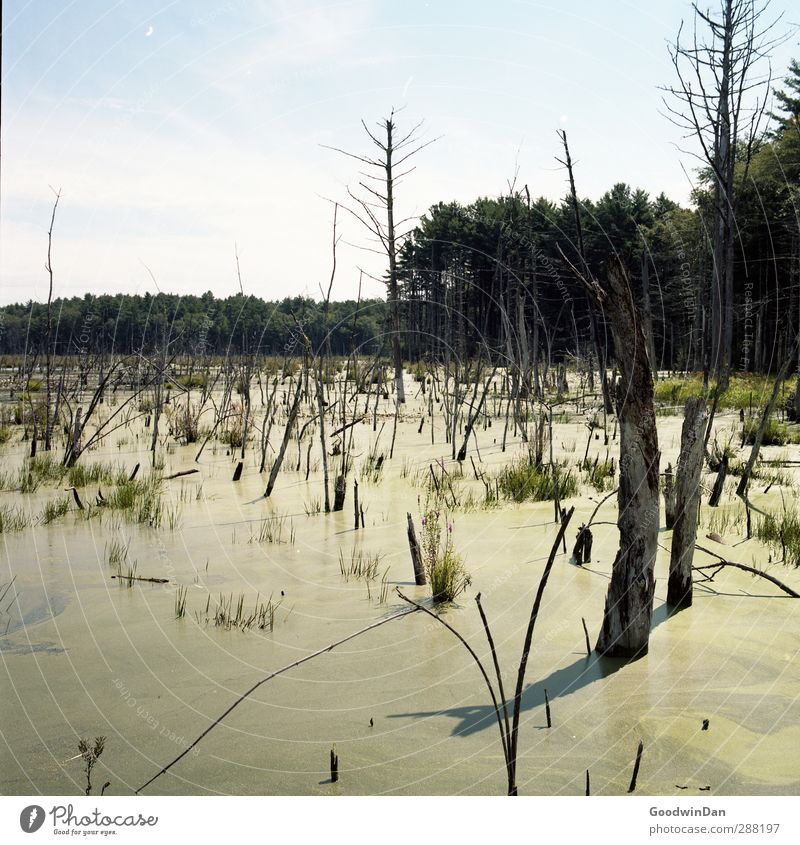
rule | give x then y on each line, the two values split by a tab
629	602
687	500
290	423
48	422
383	174
416	553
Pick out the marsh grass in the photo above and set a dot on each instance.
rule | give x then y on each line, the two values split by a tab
781	531
36	471
600	474
12	518
117	552
139	501
275	528
180	601
97	472
360	565
53	510
776	433
127	578
229	614
744	391
522	480
726	520
313	506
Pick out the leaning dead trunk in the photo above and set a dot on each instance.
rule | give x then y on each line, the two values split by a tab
629	602
687	501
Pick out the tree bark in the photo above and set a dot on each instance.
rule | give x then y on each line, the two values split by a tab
687	500
629	602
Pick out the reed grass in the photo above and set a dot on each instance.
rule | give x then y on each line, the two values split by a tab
12	518
360	565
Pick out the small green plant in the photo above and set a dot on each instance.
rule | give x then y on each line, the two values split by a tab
274	529
444	567
600	474
776	433
139	501
127	577
781	530
90	755
53	510
523	480
117	552
360	564
313	506
81	475
180	602
228	615
12	518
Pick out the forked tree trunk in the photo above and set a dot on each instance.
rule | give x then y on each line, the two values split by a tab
687	501
629	602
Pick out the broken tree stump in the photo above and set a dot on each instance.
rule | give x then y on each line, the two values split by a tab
416	553
687	502
669	497
339	492
582	551
334	765
713	500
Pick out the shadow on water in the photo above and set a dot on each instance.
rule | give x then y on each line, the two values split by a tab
562	682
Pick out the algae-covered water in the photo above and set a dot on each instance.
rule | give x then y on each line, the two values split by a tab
85	655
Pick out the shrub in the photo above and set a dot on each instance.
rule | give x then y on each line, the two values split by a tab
776	432
443	565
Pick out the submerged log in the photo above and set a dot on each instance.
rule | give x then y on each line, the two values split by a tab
687	501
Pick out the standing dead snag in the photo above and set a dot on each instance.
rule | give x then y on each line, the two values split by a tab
416	553
375	210
629	602
687	501
287	433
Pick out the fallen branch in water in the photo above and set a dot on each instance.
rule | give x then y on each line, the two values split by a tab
723	563
269	677
181	473
141	578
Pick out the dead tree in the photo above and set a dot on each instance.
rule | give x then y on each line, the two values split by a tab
599	350
716	100
629	601
287	434
687	501
375	210
49	416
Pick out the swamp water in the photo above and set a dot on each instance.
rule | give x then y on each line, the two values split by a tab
85	655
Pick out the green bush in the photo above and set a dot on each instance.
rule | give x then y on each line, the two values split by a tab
443	565
776	432
523	480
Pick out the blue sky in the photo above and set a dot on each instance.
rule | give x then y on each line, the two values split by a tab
176	131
